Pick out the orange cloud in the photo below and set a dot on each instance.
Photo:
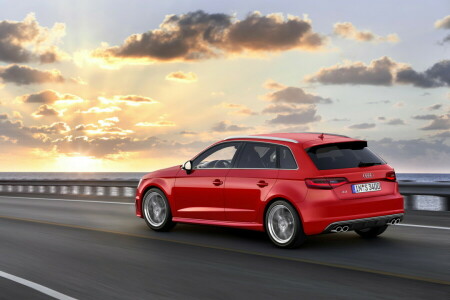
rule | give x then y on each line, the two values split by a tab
133	100
50	96
156	124
349	31
182	76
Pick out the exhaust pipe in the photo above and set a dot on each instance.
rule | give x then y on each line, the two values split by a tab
394	221
337	229
341	228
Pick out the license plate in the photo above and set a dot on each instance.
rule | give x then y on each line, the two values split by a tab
366	187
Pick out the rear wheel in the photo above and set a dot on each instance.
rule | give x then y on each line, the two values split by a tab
157	212
283	225
371	232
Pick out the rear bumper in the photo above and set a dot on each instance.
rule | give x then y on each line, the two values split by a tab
318	213
356	224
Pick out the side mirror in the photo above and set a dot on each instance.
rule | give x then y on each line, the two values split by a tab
187	166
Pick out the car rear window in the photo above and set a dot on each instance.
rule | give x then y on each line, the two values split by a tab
343	155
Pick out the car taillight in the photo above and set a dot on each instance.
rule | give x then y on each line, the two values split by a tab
325	183
391	176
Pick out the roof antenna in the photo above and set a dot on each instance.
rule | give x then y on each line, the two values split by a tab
321	136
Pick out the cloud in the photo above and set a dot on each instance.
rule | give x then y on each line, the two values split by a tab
224	126
156	124
24	75
396	121
379	102
4	116
27	41
300	115
133	100
239	109
273	85
348	30
46	111
340	119
383	71
99	110
295	95
182	76
199	35
378	72
436	76
49	97
435	107
362	126
58	127
440	123
443	23
292	105
425	117
105	127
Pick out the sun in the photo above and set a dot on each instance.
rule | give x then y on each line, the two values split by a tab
79	163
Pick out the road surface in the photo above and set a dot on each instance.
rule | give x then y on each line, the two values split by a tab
100	250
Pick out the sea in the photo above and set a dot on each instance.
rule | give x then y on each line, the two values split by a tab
417	177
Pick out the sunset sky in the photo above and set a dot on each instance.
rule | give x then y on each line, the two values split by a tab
140	85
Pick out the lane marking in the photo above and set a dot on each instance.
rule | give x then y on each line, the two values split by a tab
423	226
247	252
70	200
35	286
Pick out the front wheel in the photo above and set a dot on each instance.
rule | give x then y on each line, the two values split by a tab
283	225
157	212
371	232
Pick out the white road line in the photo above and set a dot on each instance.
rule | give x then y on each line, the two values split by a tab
423	226
37	287
71	200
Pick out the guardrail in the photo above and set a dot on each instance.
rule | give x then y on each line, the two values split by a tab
418	195
111	189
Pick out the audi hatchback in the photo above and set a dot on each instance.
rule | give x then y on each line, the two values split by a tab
289	185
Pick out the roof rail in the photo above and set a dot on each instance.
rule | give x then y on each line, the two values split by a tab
326	134
273	138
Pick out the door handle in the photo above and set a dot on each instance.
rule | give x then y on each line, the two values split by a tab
217	182
262	183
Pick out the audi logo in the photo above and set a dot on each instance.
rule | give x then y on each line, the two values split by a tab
368	175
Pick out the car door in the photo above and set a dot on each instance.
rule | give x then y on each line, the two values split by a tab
200	193
248	184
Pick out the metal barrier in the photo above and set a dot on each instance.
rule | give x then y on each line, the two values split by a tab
418	195
112	189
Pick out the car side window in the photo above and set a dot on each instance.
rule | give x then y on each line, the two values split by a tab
287	160
218	157
258	156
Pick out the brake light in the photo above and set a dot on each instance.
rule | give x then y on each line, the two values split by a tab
391	176
325	183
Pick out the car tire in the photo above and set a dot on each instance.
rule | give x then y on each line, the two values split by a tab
283	225
156	210
373	232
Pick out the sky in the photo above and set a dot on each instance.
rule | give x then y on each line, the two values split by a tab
123	86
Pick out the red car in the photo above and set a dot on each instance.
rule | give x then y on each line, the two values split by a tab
290	185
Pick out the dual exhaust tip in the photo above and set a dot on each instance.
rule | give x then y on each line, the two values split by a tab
344	228
394	221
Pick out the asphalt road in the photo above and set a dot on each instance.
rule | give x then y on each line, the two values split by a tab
97	250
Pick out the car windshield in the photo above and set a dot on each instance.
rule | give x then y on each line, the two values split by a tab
343	155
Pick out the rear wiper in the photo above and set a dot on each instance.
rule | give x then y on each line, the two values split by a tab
368	164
